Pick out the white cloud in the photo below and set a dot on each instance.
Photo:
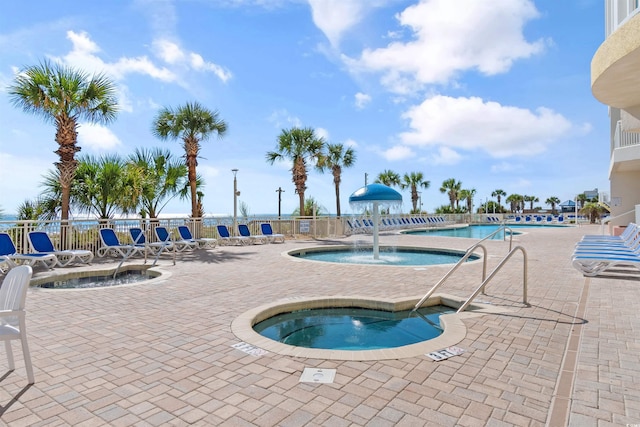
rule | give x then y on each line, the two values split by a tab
97	137
505	167
362	99
450	37
173	54
399	152
334	17
446	156
472	124
283	119
350	143
322	133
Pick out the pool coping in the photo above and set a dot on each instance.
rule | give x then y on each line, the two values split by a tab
452	324
76	273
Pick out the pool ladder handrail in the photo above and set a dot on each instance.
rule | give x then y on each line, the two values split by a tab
467	254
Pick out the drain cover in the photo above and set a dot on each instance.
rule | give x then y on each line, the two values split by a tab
315	375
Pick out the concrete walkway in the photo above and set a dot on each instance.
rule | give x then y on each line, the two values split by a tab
161	353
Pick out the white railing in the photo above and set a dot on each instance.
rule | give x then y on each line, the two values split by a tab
623	139
617	12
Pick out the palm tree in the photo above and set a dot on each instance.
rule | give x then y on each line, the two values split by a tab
515	201
192	123
553	201
414	180
388	178
498	194
582	199
300	145
64	96
336	158
161	178
452	188
311	205
593	210
102	186
531	200
467	195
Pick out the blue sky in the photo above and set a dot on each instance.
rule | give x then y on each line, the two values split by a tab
494	94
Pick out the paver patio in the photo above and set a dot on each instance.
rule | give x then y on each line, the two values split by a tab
160	353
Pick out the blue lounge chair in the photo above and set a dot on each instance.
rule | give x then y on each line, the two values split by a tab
268	231
42	244
227	239
202	242
244	231
164	236
111	245
10	258
594	264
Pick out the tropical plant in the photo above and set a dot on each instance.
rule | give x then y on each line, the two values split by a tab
388	178
553	201
301	146
414	180
335	158
64	96
103	186
531	200
593	210
582	199
244	210
466	195
192	123
159	176
311	205
38	209
452	188
498	194
516	201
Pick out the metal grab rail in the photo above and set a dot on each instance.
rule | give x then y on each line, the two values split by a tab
467	254
493	273
454	268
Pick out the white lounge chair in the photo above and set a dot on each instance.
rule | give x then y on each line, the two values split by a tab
10	258
111	245
163	235
203	242
227	239
13	295
268	231
42	244
244	231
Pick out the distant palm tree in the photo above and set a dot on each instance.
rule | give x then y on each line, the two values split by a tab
336	158
531	200
192	123
466	195
301	146
582	199
414	180
311	205
498	194
593	210
160	178
388	178
64	96
553	201
516	201
452	188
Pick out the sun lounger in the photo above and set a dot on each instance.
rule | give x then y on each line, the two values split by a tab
111	245
268	231
10	258
164	236
203	242
244	231
594	264
42	244
227	239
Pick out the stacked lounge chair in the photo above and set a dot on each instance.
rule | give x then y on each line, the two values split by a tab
595	254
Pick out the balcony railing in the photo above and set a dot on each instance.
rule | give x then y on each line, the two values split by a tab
617	12
623	139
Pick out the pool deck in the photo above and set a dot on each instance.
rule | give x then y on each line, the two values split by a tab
161	353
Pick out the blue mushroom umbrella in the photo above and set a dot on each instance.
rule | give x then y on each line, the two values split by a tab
371	197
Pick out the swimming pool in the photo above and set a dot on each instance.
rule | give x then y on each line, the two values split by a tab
353	328
389	255
477	231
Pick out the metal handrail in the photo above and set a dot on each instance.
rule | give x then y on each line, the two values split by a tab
463	259
493	273
608	219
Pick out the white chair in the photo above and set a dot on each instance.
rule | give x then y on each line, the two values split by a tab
13	295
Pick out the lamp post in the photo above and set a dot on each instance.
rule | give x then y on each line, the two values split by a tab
279	191
236	193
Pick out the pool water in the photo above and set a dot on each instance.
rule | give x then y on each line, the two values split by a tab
387	256
122	278
472	231
350	328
